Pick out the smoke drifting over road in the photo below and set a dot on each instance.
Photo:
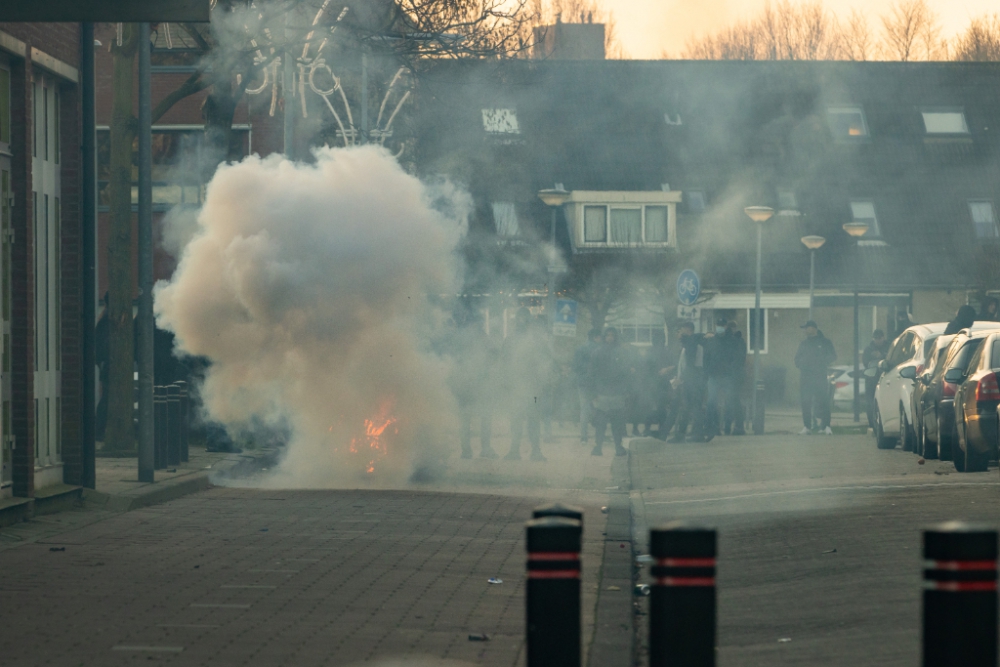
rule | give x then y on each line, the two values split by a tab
307	287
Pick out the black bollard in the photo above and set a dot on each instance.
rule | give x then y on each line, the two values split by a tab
183	421
173	424
558	509
159	418
682	599
960	596
553	592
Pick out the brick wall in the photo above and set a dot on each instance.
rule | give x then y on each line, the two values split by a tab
59	40
72	287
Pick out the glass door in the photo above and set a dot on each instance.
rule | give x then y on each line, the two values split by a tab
6	439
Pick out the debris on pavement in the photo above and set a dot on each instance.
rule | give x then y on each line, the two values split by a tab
481	637
263	530
604	510
831	551
642	590
784	640
494	580
643	559
921	461
57	548
613	588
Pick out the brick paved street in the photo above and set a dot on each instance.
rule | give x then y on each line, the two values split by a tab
248	577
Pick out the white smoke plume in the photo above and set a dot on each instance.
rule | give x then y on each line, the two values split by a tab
309	287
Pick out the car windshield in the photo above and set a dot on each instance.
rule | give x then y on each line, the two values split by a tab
995	358
929	346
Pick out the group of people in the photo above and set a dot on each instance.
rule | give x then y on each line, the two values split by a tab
694	383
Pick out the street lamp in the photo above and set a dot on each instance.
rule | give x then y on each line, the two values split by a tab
814	243
760	215
856	230
553	198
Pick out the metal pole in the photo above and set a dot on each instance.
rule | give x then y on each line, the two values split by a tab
812	280
145	317
758	332
857	345
364	98
551	305
288	94
88	237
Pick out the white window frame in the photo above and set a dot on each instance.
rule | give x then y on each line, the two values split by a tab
579	201
767	327
872	233
941	111
993	213
849	109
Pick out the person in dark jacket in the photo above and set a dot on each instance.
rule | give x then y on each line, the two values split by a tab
735	416
813	359
870	358
964	318
527	367
723	352
582	361
611	365
689	384
475	358
661	364
991	311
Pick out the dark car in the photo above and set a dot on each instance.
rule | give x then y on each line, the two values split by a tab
937	408
976	403
926	446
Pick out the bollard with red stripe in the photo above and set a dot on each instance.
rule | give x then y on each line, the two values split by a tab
553	592
558	509
682	597
960	596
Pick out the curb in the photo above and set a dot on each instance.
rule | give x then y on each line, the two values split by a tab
613	643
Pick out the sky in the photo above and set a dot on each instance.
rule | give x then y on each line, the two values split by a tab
647	28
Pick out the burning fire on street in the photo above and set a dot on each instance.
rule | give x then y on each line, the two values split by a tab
373	442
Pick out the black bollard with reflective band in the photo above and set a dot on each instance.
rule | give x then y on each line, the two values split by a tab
682	597
558	509
553	592
960	596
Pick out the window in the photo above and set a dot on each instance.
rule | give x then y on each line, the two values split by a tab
4	106
505	218
984	219
864	211
656	224
945	122
626	225
595	224
902	350
995	359
696	201
501	121
787	200
847	122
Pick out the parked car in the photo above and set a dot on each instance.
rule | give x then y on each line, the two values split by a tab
937	401
976	403
893	416
842	387
926	444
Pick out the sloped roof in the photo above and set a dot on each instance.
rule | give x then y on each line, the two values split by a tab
739	131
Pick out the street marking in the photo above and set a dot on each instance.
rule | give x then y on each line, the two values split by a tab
149	649
238	586
185	625
211	605
873	487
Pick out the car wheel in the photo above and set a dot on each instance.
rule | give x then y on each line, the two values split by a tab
958	458
906	436
881	441
944	443
974	461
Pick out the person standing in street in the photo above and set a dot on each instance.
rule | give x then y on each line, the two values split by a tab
990	311
736	361
582	366
690	386
964	318
870	358
611	375
813	359
661	364
527	368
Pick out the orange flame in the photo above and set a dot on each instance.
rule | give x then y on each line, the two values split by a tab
374	429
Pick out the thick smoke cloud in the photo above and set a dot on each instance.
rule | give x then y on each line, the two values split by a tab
309	287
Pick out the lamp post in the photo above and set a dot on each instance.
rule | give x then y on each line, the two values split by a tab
760	215
856	230
553	198
814	243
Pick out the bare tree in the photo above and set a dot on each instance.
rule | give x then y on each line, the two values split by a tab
911	31
857	41
980	41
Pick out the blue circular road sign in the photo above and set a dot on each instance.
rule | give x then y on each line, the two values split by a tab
688	287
